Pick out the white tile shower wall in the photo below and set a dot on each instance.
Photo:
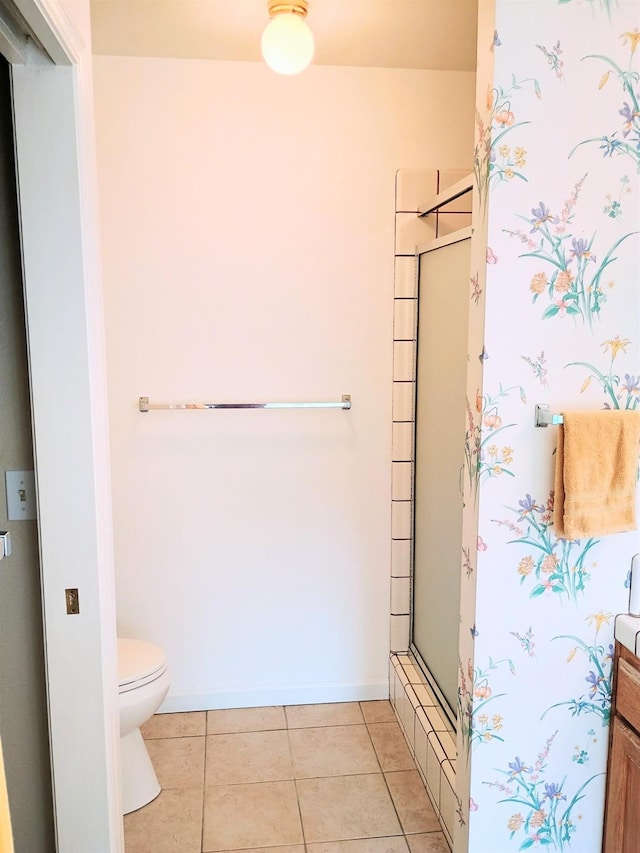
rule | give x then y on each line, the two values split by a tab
404	319
456	214
401	519
400	596
402	437
405	277
414	187
403	360
426	727
401	481
399	631
402	401
400	558
412	231
448	177
447	223
411	186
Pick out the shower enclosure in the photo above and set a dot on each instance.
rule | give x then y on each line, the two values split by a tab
441	369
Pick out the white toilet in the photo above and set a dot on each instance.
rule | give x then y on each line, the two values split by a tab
143	682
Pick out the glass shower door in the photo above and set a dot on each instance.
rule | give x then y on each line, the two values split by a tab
443	301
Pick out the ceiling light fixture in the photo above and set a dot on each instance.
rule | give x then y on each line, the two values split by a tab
287	41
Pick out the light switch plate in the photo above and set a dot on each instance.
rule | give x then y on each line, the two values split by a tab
21	495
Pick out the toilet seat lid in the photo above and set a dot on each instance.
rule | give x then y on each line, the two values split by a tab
138	660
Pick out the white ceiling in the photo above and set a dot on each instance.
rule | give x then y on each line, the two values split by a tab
429	34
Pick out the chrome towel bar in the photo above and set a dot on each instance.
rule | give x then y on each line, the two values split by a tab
546	418
146	406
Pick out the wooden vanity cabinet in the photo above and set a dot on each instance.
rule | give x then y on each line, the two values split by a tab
622	811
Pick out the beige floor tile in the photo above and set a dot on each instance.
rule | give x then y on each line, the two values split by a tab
412	802
332	751
178	762
330	714
394	844
187	724
172	823
264	814
377	711
430	842
344	807
248	757
391	747
246	720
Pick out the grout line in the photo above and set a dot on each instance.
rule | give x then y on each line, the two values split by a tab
204	788
295	788
344	776
243	732
256	782
375	751
386	784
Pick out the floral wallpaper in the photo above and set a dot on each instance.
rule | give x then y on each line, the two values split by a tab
555	318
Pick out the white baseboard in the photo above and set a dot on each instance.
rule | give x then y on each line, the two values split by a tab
305	694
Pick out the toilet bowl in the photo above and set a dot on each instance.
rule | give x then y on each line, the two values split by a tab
143	682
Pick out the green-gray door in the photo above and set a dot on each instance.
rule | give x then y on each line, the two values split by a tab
23	712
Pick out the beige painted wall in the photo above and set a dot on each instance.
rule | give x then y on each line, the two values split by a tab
247	225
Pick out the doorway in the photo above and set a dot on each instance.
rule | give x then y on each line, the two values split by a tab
23	710
47	46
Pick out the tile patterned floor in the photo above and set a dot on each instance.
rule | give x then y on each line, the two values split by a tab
335	778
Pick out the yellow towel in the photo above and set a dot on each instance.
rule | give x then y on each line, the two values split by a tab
595	479
6	838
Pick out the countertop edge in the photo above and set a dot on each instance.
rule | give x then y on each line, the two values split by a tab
627	632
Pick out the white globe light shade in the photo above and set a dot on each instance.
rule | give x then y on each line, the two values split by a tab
287	43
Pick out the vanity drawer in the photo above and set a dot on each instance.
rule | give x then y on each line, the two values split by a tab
628	693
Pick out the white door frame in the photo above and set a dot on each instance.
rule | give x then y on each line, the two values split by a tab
57	199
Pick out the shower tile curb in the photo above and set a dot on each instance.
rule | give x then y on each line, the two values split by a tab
424	739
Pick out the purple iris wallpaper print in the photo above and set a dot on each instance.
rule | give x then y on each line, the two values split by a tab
555	317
